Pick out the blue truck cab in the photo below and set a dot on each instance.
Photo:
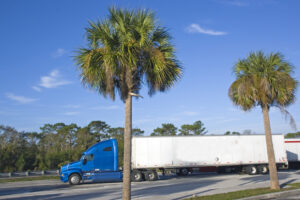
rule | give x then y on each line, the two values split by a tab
98	163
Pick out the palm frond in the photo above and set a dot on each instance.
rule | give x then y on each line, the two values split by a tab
287	115
263	80
126	51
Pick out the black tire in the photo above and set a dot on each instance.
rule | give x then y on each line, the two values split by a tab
184	172
137	176
237	169
251	170
262	169
74	179
221	170
150	175
228	170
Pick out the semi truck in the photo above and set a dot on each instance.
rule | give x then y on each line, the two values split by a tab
178	154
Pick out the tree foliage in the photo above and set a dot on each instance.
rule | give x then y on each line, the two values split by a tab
126	50
293	135
197	128
165	130
264	81
232	133
55	145
169	129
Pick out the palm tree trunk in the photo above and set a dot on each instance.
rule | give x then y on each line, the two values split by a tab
127	149
274	184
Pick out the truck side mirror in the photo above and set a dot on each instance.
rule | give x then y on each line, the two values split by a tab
84	161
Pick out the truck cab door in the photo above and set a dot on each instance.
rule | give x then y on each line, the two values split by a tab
105	164
88	163
105	159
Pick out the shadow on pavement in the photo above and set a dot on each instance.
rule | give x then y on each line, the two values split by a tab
46	196
262	178
287	182
36	188
196	194
70	197
172	188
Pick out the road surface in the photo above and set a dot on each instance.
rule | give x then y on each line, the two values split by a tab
168	187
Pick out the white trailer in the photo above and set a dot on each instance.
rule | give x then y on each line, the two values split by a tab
183	153
293	152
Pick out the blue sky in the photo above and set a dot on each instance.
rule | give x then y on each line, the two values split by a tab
40	83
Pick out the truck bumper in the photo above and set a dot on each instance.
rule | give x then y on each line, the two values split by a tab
64	178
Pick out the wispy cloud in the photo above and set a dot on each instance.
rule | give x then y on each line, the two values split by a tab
36	88
147	120
59	52
190	113
8	113
72	106
142	121
228	120
53	80
71	113
114	107
20	99
238	3
196	28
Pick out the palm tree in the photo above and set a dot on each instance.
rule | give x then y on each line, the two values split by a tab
265	81
125	51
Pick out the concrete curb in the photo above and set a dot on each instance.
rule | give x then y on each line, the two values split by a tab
274	195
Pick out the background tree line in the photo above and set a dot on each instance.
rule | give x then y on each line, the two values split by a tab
58	144
55	145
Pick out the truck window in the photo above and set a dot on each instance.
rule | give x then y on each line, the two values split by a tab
89	157
107	149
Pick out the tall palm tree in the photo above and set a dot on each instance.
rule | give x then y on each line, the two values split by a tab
125	51
265	81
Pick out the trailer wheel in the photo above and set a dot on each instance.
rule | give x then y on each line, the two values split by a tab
150	175
74	179
184	172
251	170
137	176
220	170
262	169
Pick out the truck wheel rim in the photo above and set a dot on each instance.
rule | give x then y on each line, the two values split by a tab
253	170
264	169
74	179
137	177
151	176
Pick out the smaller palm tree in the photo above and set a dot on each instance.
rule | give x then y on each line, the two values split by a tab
264	81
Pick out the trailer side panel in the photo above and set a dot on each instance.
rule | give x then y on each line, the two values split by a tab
200	151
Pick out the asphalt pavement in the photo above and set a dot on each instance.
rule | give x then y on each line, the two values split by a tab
168	187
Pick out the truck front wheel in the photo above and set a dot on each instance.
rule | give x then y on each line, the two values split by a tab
74	179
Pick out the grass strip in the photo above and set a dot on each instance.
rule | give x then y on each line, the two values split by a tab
17	179
244	193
